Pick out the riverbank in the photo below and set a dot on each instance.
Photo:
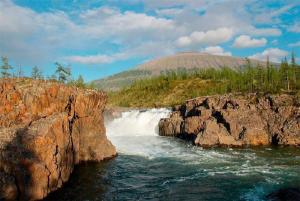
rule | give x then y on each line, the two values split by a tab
236	120
153	167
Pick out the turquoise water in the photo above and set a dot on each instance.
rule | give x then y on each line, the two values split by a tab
150	167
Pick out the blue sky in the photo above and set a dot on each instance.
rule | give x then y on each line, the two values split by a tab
98	38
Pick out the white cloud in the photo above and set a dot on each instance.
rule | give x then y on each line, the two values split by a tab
28	36
251	30
271	16
99	58
93	59
147	48
295	28
274	54
274	42
244	41
184	41
153	4
211	37
216	50
296	44
107	22
169	12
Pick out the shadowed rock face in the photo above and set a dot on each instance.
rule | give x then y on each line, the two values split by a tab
236	120
46	129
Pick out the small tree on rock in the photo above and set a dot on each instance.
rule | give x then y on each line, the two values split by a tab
294	68
285	73
20	72
36	73
64	73
5	68
80	82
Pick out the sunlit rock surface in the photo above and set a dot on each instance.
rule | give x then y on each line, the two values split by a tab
236	120
45	129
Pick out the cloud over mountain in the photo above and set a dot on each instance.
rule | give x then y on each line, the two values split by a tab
95	34
216	50
274	54
245	41
211	37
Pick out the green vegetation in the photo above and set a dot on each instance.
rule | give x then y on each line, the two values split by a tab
174	87
36	73
79	82
63	73
6	67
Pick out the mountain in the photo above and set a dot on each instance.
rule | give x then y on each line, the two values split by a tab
186	60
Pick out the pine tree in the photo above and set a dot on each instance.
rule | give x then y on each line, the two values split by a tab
64	73
268	70
294	68
5	68
36	73
248	75
80	82
20	72
284	72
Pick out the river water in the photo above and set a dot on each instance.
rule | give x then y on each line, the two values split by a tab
151	167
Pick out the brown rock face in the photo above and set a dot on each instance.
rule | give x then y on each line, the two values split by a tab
236	120
46	129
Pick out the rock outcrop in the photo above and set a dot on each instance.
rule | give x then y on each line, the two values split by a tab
45	129
233	120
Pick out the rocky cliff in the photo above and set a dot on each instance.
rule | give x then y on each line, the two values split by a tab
45	129
236	120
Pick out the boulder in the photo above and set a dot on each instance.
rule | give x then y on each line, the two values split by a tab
215	134
236	120
46	128
170	127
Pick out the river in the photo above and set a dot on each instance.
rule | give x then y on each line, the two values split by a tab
151	167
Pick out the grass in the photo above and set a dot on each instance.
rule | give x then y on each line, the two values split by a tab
164	93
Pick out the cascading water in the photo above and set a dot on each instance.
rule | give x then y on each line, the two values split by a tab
136	132
136	123
151	167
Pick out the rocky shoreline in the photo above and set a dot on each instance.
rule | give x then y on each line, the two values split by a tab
236	120
45	130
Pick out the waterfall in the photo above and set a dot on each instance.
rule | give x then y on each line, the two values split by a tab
137	123
136	131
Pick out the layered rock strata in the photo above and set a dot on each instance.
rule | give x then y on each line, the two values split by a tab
233	120
45	129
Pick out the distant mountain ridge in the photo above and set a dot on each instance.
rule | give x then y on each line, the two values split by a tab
186	60
195	60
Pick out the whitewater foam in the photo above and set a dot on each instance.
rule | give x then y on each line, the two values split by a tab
153	167
137	123
136	133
